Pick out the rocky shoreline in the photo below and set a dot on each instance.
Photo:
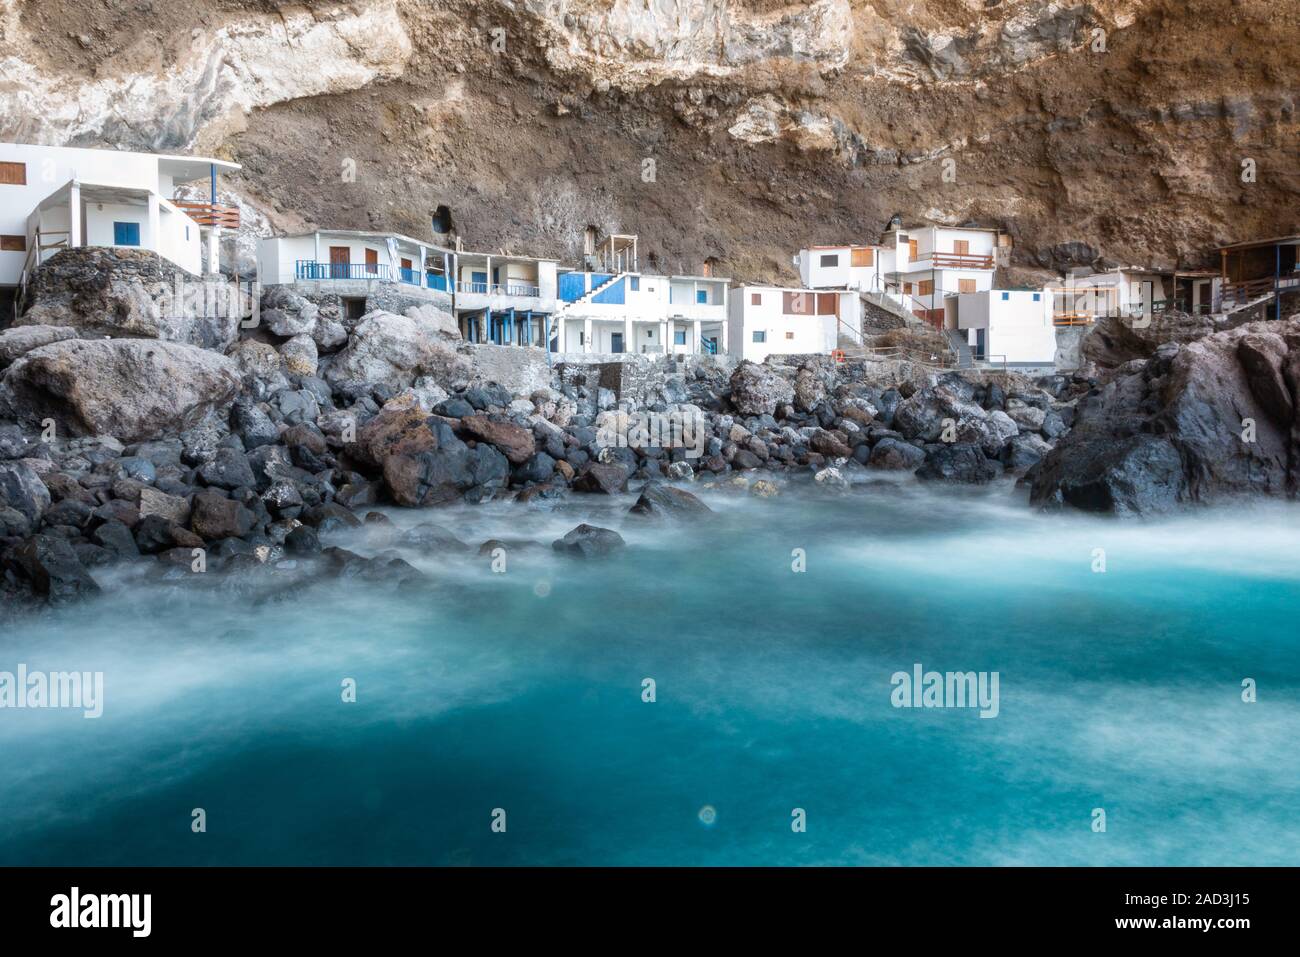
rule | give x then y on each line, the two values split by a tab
254	450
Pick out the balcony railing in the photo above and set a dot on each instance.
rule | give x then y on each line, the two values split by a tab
499	289
209	214
957	261
306	269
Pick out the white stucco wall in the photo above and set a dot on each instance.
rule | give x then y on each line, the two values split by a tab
784	333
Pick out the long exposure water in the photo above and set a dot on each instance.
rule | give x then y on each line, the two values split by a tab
523	691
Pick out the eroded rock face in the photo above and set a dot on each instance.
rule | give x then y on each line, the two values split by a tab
131	389
1195	423
1113	340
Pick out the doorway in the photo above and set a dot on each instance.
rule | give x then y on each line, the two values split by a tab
340	257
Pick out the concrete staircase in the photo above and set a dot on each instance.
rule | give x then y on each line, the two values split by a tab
589	295
965	360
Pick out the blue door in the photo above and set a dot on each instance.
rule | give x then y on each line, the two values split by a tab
126	234
616	342
479	280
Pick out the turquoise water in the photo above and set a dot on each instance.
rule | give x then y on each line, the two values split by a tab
523	691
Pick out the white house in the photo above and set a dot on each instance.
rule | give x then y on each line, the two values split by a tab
641	313
1010	327
495	297
932	262
769	320
351	263
505	299
54	197
864	268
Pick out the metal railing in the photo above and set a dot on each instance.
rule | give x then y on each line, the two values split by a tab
499	289
307	269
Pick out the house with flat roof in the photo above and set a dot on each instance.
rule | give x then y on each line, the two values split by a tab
1085	296
862	267
1006	327
611	306
56	197
641	312
932	262
355	264
773	320
504	298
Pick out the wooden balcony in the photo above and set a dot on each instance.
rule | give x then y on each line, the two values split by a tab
209	214
960	261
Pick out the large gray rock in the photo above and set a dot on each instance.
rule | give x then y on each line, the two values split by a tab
130	293
395	350
262	367
758	390
50	563
964	463
288	314
1195	423
22	490
20	340
131	389
947	413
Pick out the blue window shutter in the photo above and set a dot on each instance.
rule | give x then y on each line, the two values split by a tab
1037	297
126	234
1006	296
702	296
679	337
636	283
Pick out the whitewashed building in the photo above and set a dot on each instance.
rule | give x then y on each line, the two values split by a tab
1011	327
497	298
771	320
641	313
54	197
932	262
864	268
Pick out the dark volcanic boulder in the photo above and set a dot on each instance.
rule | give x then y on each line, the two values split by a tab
228	469
589	541
599	477
895	454
22	490
50	563
659	501
1204	421
514	440
214	517
957	463
131	389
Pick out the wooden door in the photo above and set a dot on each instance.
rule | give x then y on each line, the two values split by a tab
340	258
861	256
961	247
912	250
965	285
372	261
